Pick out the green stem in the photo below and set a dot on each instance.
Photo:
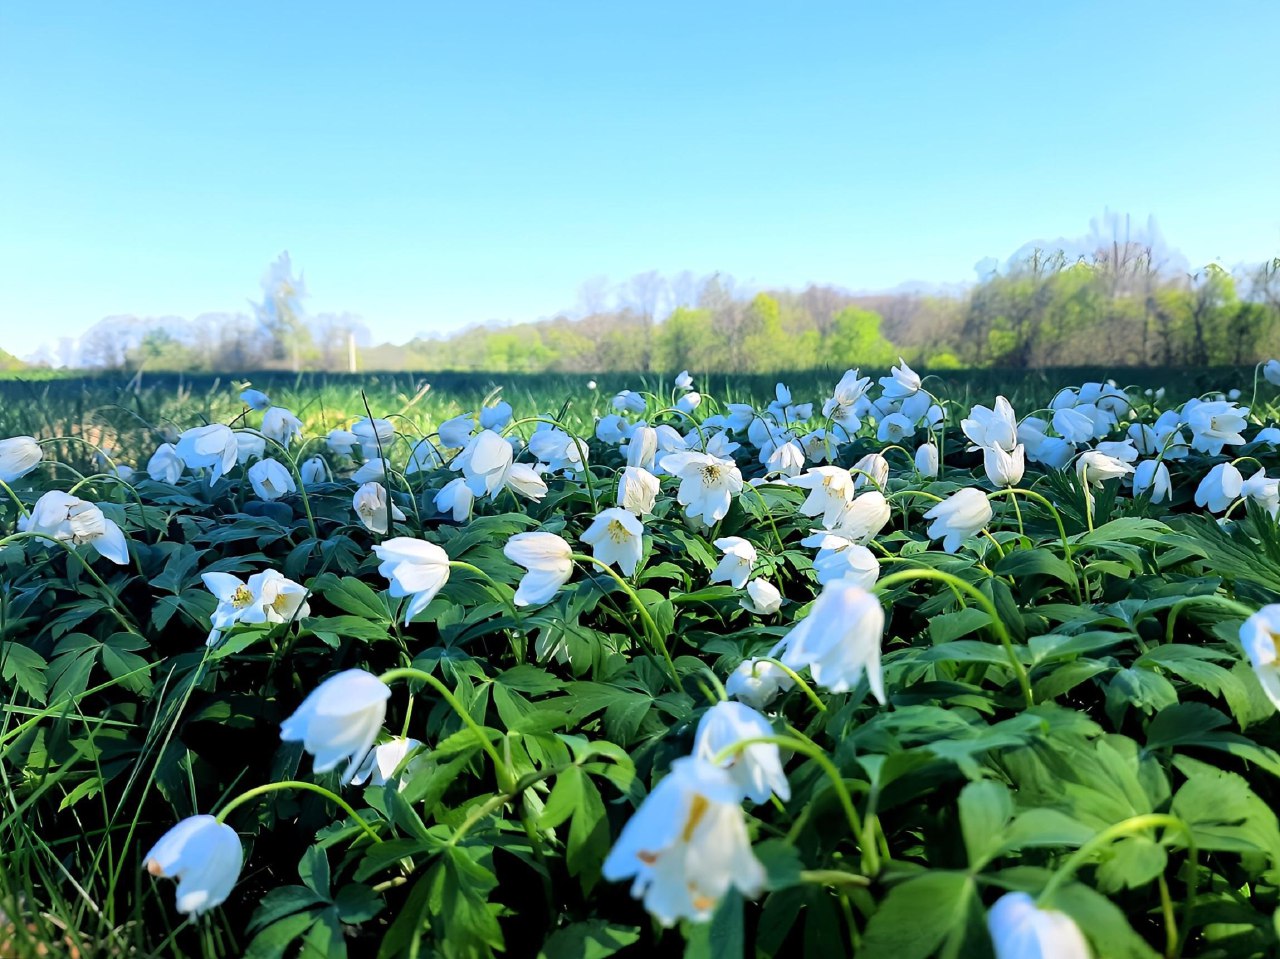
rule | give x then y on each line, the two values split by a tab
795	678
577	441
1209	598
302	487
410	672
764	508
650	626
1013	493
908	575
111	596
337	800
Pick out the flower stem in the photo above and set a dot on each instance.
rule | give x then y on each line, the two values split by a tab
337	800
651	628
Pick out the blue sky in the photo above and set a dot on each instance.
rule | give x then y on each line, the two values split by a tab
434	165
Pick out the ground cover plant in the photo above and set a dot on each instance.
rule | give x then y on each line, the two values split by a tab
885	668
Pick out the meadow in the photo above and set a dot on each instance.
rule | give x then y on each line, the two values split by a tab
980	663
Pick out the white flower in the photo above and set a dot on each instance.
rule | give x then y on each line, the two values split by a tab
1152	476
616	536
204	855
901	382
385	758
370	504
992	427
561	452
213	447
281	425
1123	450
373	435
165	465
1220	488
1269	435
70	519
707	484
641	446
895	428
341	442
484	462
830	492
371	470
591	384
256	400
687	845
785	460
423	458
250	445
611	429
762	598
849	390
456	432
839	640
1073	426
757	768
1215	425
234	598
1003	468
927	460
1258	637
315	470
628	402
524	480
864	517
496	417
270	479
456	498
549	561
872	468
637	490
735	565
718	444
684	381
689	402
19	455
268	597
1095	468
741	416
414	568
757	682
1022	930
340	719
840	557
1271	372
1263	491
962	514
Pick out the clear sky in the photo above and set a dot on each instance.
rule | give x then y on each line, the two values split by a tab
430	165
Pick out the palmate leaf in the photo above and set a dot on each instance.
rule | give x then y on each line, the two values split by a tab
1232	555
919	915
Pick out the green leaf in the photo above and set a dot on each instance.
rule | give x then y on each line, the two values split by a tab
1130	863
592	939
986	807
24	668
917	916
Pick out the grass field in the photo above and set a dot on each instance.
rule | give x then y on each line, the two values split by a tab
912	672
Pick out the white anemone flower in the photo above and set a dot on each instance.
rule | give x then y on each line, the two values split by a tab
786	459
895	428
561	452
423	458
1003	468
616	536
256	400
992	427
281	425
497	416
901	382
456	498
374	436
250	445
524	480
1271	372
830	489
928	461
340	720
611	429
165	465
415	568
1095	468
864	518
689	402
756	768
341	442
684	381
70	519
963	514
629	402
1263	491
370	504
204	855
1073	425
762	599
1216	424
315	471
637	490
871	469
839	641
270	479
456	432
267	597
707	484
19	455
757	682
687	845
840	557
213	447
484	462
1220	488
735	566
1022	930
1152	476
548	559
1258	636
384	759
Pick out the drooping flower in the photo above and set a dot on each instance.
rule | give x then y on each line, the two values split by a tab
1152	476
927	460
992	427
707	484
213	447
1271	372
959	516
165	465
901	382
840	557
1258	636
687	845
637	490
484	462
270	479
839	640
684	381
1263	492
735	566
1003	468
371	471
787	459
250	445
423	458
1022	930
374	436
385	758
456	432
872	468
561	452
70	519
524	480
548	558
314	471
370	504
341	442
281	425
415	568
1220	488
1216	424
19	455
340	720
496	417
256	400
830	492
762	598
1073	425
611	429
689	402
757	682
866	516
204	855
616	536
456	497
1095	468
756	768
628	402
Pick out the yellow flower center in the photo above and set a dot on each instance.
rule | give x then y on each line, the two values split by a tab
710	474
617	532
697	809
241	597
